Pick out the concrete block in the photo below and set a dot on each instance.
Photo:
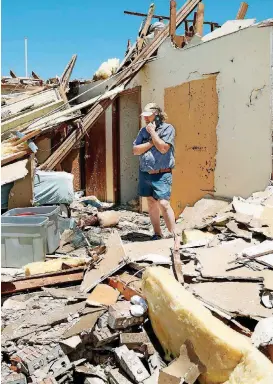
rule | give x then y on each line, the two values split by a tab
103	320
93	380
115	377
131	364
16	378
120	316
134	340
33	359
102	336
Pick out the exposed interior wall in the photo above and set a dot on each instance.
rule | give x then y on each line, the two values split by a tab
129	112
44	149
242	61
72	164
193	111
95	160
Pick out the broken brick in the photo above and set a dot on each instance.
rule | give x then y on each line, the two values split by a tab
120	316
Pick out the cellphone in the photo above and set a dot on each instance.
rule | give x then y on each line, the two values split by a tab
158	121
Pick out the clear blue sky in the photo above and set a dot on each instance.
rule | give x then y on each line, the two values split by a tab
94	30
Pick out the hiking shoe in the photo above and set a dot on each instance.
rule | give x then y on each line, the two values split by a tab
156	237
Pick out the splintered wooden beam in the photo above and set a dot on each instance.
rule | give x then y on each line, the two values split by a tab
198	26
162	17
242	11
67	73
88	121
123	78
35	76
172	24
12	74
149	50
145	28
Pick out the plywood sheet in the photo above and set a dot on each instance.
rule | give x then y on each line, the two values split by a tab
192	108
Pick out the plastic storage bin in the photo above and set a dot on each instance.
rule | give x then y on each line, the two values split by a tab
23	240
53	231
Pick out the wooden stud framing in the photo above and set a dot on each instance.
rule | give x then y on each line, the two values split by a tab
172	24
198	27
124	78
242	11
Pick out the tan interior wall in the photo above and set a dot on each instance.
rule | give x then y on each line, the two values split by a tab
192	108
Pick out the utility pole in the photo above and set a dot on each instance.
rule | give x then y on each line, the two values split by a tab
26	56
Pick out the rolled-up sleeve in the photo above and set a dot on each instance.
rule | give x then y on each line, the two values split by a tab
139	138
168	135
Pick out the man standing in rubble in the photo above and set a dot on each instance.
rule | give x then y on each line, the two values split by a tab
155	147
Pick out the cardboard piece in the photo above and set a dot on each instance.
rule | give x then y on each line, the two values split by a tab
103	295
185	369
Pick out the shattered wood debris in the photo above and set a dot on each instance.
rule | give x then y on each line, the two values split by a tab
101	327
100	310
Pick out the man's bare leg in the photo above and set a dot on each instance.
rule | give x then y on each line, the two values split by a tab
169	218
154	213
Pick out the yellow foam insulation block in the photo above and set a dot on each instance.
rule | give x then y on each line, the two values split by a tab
41	267
177	316
190	235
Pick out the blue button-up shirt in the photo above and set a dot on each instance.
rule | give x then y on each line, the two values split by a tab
154	160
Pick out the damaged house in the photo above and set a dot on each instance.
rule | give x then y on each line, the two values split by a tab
87	297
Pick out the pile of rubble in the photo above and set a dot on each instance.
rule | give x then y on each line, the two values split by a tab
67	334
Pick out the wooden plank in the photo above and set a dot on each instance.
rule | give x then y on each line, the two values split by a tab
13	157
162	17
36	282
177	263
67	73
172	24
198	27
242	11
145	28
27	136
148	51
